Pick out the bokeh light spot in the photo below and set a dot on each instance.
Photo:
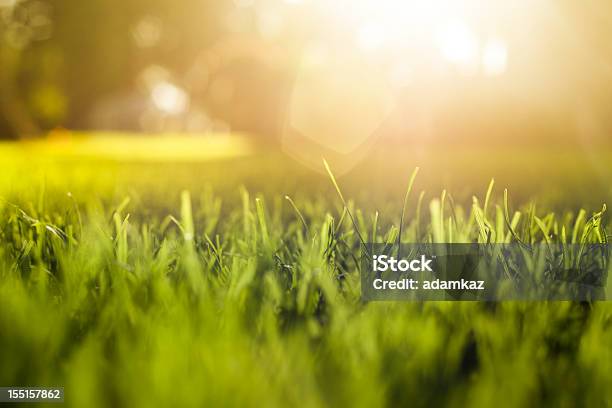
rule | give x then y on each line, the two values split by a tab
458	44
169	98
494	57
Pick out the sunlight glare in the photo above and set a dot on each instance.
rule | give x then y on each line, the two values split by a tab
371	36
458	44
494	57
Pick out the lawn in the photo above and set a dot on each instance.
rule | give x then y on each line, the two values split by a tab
231	277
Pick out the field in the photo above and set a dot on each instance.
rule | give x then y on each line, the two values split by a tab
230	277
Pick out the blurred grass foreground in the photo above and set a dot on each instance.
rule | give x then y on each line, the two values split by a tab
168	284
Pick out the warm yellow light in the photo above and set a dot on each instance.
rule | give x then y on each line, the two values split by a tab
494	57
371	36
410	30
458	44
366	67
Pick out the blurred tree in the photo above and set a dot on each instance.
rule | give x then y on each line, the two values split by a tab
16	33
58	58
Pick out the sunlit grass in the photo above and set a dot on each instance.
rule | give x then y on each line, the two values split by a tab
132	147
151	294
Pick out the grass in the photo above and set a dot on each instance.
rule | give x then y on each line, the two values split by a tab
174	286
